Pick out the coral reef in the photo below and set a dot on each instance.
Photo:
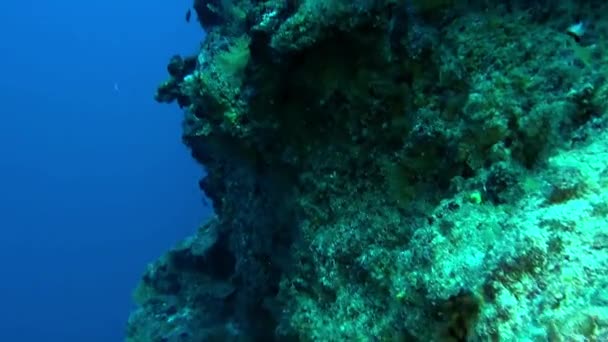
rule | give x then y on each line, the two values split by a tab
391	170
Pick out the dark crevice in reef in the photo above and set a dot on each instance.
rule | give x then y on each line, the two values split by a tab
371	166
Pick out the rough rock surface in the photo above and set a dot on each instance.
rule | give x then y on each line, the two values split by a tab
386	170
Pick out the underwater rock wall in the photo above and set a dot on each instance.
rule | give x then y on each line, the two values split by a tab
387	170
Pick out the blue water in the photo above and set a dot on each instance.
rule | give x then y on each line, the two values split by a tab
94	182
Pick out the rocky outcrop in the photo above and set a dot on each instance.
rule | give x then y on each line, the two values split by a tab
389	170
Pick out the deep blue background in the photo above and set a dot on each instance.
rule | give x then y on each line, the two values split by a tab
94	183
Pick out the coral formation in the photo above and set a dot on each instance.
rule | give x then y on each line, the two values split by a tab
391	170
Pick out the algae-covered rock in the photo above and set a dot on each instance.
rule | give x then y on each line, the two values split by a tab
387	170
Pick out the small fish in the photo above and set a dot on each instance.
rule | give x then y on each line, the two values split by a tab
188	15
577	31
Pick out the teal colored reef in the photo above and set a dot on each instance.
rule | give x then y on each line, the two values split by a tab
391	170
